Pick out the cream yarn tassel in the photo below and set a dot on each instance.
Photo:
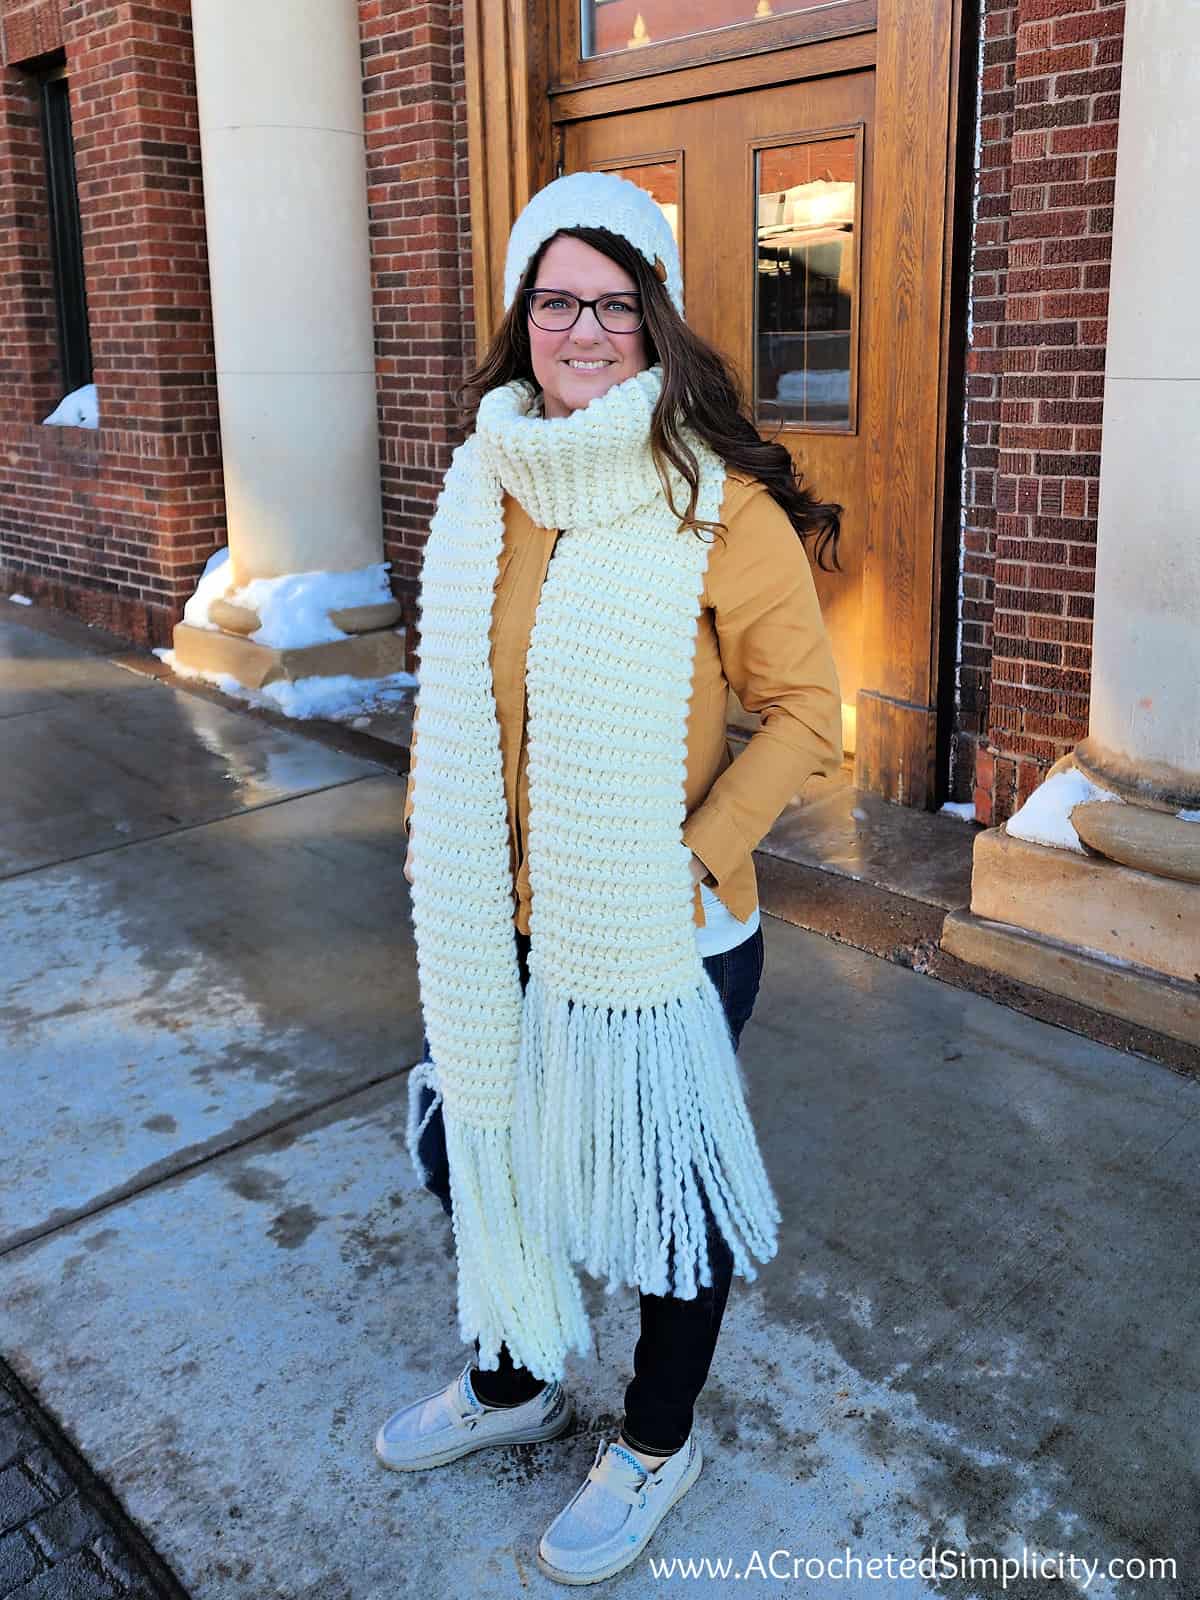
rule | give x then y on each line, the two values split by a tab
617	1112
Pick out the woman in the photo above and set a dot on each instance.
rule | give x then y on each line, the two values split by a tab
614	546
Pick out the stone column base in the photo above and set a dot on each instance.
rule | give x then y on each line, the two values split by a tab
1164	1005
365	655
1085	927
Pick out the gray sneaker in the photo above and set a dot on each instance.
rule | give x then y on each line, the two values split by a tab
609	1522
441	1427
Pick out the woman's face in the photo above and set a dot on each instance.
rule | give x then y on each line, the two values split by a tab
575	366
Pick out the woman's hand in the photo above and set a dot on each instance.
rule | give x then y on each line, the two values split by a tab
408	863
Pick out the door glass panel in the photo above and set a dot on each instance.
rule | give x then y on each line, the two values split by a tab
608	26
660	179
806	283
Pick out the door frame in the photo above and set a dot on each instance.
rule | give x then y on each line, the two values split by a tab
910	544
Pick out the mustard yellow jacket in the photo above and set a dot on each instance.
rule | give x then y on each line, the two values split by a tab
760	631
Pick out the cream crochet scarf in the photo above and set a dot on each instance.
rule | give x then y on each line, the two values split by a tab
578	1115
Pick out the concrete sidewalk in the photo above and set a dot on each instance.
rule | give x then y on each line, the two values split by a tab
216	1269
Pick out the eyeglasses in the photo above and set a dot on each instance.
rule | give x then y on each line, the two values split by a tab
555	310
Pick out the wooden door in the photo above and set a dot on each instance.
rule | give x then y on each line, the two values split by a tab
766	192
719	100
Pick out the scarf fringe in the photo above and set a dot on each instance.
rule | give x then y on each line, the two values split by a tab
511	1287
422	1076
622	1116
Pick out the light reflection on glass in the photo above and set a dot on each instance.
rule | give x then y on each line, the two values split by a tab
609	26
805	282
660	179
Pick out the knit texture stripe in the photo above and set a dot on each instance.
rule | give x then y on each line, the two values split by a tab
584	1118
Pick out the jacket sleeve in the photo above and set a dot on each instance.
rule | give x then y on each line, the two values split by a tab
412	771
776	654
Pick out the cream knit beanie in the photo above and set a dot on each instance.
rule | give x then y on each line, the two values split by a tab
593	200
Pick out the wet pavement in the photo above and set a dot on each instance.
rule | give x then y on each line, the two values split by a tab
203	987
218	1273
116	759
860	836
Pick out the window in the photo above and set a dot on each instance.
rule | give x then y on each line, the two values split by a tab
612	26
66	243
806	283
661	177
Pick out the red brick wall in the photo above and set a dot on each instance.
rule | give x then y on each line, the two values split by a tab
114	523
1049	104
415	106
117	523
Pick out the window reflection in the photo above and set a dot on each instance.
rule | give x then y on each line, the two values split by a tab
660	179
613	25
805	282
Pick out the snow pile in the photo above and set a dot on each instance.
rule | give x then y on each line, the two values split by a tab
1045	818
294	610
1188	816
964	810
220	680
339	699
79	409
213	582
294	613
335	699
20	599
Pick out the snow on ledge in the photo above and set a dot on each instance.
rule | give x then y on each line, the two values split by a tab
79	409
964	810
20	599
214	580
335	699
1045	818
293	610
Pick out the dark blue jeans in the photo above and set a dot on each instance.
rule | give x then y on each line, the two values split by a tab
678	1337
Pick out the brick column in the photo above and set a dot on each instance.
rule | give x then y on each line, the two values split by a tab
1049	107
415	103
1117	925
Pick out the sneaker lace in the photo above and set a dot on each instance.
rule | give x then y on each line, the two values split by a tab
618	1473
461	1407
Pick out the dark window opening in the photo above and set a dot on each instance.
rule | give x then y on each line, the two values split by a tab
66	236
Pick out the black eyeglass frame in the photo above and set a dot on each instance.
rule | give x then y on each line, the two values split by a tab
594	305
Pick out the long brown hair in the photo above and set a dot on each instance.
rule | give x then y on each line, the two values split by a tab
700	391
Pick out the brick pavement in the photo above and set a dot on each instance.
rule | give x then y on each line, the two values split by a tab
62	1534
